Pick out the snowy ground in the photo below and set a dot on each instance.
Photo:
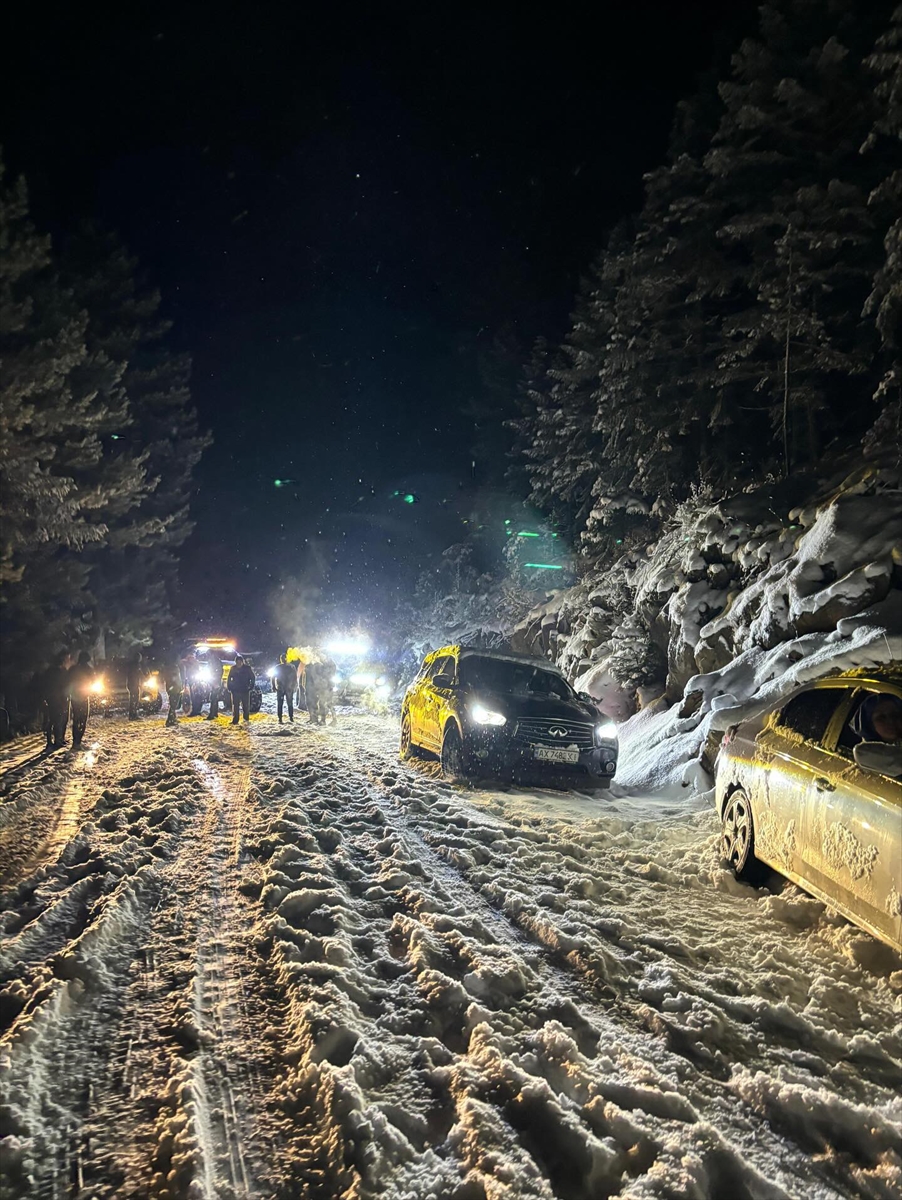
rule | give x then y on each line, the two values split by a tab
275	962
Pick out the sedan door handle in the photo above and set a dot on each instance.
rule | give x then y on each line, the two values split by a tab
824	785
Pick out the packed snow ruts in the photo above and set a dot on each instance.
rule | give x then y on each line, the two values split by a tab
280	963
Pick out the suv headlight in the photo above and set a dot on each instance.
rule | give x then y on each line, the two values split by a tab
484	716
605	732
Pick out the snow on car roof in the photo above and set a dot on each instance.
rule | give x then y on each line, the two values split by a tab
531	660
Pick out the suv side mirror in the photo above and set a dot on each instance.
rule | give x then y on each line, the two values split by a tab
443	681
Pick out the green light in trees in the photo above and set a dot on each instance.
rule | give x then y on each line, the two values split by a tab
543	566
277	482
527	533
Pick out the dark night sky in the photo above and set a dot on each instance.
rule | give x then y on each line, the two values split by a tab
342	205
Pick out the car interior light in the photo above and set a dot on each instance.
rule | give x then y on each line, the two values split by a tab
484	716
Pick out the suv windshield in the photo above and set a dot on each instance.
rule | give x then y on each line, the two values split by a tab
516	679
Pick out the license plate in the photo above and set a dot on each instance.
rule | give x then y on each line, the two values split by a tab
552	754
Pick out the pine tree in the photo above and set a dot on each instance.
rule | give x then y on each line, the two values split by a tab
799	240
97	444
884	144
42	346
133	582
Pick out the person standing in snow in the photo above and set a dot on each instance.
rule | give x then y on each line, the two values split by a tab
327	691
81	676
300	701
171	678
241	680
133	673
216	683
312	691
54	692
286	677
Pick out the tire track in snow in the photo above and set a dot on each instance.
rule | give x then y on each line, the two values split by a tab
618	1017
136	1073
550	992
43	806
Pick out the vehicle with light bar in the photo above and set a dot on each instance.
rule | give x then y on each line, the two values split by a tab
504	715
813	789
207	658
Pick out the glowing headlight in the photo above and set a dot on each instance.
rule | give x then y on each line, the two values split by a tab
383	690
204	675
606	732
271	671
336	679
363	678
484	716
97	687
202	647
151	682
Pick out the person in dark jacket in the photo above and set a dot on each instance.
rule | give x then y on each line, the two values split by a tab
241	680
286	677
171	679
215	663
54	690
81	676
133	673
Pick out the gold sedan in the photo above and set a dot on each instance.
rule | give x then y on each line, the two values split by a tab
814	790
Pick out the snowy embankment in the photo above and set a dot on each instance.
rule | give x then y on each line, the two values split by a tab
741	605
277	962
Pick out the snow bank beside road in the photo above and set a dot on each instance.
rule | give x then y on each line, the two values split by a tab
737	606
660	747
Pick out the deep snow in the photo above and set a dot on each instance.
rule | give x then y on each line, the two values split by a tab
276	962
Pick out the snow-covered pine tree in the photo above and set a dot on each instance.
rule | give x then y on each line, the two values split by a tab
42	345
134	579
52	406
800	244
884	145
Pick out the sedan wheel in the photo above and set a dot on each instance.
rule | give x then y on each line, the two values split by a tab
737	842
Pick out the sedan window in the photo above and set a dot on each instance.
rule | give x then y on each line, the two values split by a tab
809	714
875	717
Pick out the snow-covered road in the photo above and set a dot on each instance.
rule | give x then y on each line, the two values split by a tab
276	962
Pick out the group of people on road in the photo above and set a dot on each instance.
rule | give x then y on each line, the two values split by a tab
65	689
307	686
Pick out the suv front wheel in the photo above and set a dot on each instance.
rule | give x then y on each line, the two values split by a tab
406	749
455	764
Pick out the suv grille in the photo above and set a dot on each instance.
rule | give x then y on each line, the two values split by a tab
538	731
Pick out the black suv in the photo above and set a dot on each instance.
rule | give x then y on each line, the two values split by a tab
490	713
